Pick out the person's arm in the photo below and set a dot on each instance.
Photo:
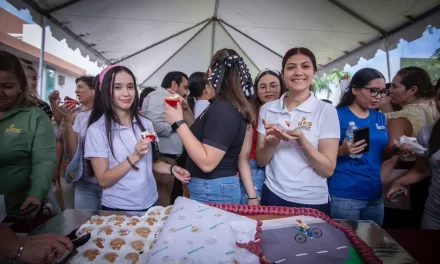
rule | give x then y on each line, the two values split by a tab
56	112
397	127
154	109
189	117
323	159
265	149
59	151
97	150
44	160
36	249
243	164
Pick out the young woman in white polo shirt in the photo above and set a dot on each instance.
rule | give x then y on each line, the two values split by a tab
298	138
122	161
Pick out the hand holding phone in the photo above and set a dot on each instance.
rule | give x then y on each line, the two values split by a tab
362	134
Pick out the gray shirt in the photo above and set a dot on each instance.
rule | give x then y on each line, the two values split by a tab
433	202
153	108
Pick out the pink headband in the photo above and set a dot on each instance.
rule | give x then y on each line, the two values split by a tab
104	71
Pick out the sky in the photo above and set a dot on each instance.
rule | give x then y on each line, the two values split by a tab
419	48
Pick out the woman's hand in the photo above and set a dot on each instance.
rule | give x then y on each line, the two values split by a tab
172	115
45	248
184	104
30	201
352	148
253	202
396	187
141	148
181	174
270	133
67	112
54	98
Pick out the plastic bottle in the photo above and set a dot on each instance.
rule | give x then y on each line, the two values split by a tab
350	136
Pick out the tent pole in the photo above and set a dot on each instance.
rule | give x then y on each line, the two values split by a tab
41	62
387	50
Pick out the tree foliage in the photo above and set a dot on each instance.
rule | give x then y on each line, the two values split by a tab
324	81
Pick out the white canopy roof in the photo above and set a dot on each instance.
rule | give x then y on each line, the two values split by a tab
153	37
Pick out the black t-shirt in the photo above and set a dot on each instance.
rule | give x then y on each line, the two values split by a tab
223	127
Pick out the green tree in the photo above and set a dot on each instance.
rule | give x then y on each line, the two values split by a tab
322	82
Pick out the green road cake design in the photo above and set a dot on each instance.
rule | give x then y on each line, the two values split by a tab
159	250
354	257
215	226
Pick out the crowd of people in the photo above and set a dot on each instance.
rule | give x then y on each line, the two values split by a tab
230	139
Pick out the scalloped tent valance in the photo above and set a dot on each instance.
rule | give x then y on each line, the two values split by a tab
154	37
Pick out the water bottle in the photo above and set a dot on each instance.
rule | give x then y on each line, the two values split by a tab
350	136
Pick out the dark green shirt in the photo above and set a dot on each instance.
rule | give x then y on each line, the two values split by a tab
27	156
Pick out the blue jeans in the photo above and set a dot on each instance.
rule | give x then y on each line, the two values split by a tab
269	198
87	195
225	190
258	176
352	209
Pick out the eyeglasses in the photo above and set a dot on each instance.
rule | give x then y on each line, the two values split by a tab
377	91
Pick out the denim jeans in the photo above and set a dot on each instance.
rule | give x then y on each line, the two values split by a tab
352	209
258	176
269	198
87	195
225	190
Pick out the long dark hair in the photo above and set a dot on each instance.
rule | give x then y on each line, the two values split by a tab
434	139
103	104
231	90
196	84
359	80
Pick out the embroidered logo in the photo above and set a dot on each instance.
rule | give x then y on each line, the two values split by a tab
12	131
379	127
304	124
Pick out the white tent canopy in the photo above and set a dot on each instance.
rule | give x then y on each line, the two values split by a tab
153	37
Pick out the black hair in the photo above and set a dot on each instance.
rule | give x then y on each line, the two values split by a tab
88	80
103	104
434	139
146	91
359	80
176	76
327	101
196	84
415	76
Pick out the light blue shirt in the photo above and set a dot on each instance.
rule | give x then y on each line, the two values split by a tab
137	190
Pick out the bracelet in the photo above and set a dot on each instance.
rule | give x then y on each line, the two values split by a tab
20	251
254	198
171	170
131	164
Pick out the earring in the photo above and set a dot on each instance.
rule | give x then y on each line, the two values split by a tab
21	91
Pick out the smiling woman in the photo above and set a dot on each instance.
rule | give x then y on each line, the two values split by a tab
121	160
311	140
27	140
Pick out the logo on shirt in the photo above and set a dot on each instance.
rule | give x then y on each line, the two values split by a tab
304	124
12	131
379	127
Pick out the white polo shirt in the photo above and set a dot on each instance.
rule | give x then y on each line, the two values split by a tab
137	190
289	174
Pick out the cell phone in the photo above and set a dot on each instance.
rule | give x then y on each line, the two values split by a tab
29	210
396	194
362	134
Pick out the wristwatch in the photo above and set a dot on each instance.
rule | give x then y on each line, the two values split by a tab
177	124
